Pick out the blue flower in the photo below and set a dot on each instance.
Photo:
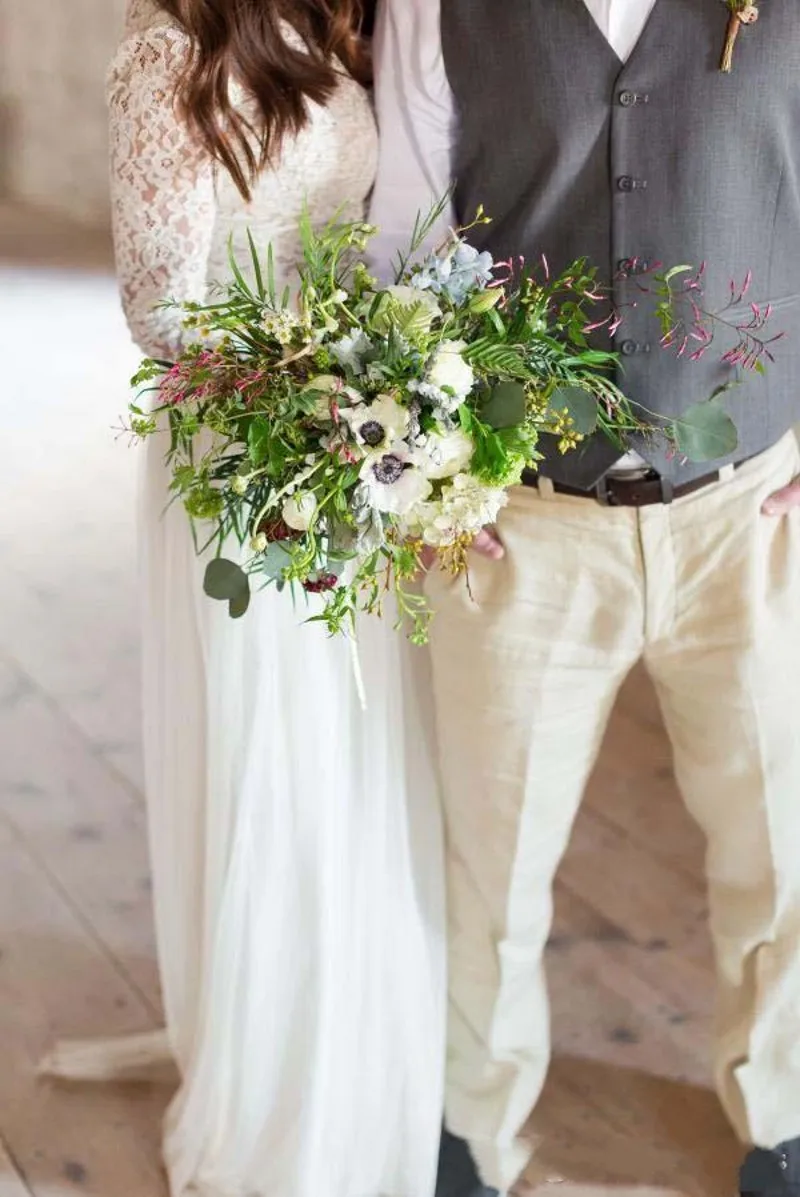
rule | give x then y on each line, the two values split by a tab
456	273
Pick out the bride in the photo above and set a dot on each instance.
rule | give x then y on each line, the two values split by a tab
294	837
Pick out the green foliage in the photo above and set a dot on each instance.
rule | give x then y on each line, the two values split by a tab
705	432
505	406
580	407
227	582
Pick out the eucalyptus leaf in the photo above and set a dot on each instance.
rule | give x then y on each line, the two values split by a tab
580	406
705	432
225	580
505	405
237	607
273	560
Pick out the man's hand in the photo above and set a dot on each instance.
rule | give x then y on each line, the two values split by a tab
783	501
487	543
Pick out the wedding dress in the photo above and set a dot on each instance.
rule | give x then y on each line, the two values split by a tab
294	836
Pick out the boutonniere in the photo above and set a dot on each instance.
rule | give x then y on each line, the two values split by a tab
742	12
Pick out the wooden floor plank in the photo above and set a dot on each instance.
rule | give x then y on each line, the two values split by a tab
85	826
11	1183
634	784
103	1141
632	1055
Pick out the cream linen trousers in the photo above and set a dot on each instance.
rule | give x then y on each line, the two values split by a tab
707	591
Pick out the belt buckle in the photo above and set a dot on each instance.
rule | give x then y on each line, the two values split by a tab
604	492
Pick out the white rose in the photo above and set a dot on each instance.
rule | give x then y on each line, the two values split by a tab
299	511
447	370
448	453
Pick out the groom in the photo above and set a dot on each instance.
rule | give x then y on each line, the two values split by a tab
607	130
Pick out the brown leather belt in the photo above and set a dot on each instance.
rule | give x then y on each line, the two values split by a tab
618	491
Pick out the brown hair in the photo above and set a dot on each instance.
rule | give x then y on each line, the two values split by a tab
242	40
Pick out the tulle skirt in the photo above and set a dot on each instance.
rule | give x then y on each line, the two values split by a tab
297	872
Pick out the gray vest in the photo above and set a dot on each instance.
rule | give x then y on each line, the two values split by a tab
663	159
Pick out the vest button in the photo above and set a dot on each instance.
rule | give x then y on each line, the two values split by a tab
627	98
626	183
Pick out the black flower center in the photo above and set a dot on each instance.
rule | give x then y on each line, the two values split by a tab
389	469
372	433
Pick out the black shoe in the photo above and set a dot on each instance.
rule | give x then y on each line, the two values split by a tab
458	1176
774	1173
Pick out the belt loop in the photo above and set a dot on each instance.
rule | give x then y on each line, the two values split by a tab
667	490
727	472
545	487
602	493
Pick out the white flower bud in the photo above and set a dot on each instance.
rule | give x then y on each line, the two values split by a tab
299	511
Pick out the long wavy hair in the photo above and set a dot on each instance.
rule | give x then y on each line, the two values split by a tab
242	41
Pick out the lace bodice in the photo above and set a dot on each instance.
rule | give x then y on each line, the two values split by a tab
174	210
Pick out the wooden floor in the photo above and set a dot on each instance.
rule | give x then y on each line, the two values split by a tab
627	1110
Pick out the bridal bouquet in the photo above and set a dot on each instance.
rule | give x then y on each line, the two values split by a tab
330	434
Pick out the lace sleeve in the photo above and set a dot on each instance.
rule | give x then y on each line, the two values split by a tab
162	190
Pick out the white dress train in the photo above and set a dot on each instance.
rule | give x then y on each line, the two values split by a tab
295	837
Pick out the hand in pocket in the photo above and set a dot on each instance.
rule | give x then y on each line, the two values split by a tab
784	500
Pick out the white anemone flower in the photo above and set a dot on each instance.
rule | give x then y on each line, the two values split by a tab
394	480
379	423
